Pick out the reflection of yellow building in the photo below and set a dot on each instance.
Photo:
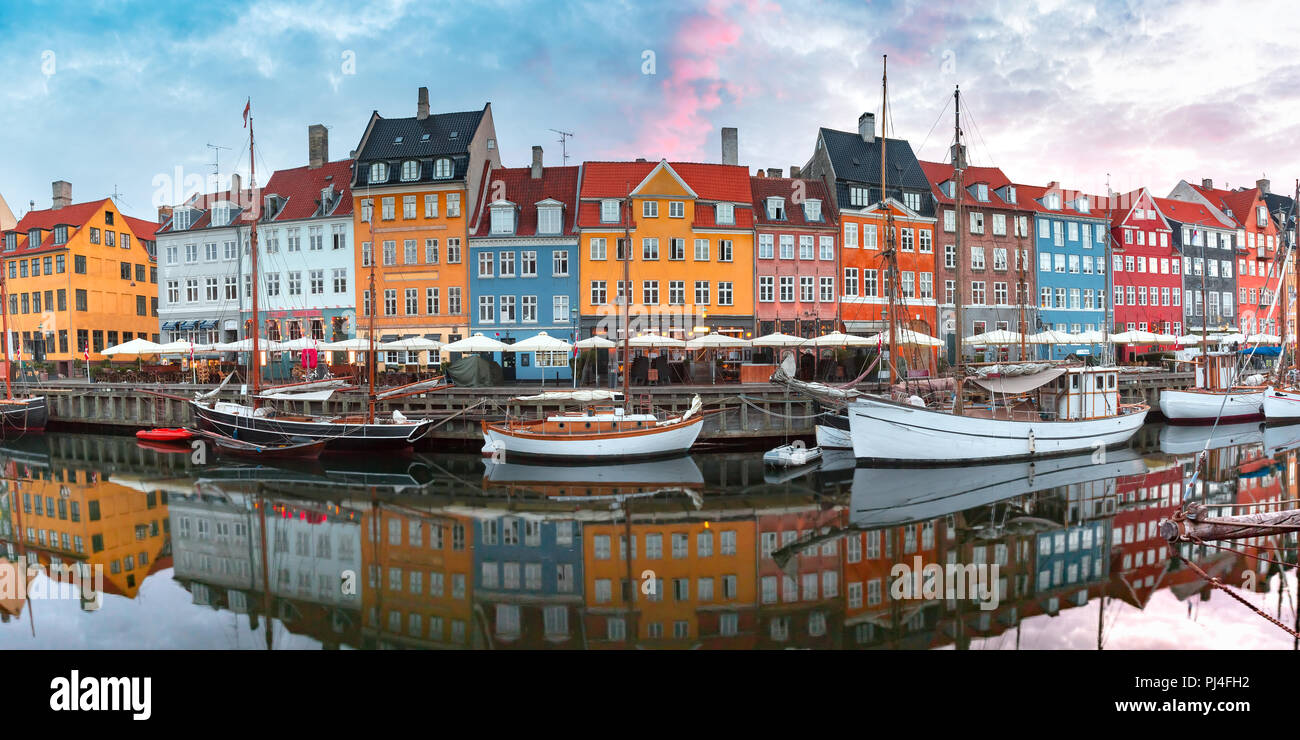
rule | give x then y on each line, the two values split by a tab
76	516
692	579
417	578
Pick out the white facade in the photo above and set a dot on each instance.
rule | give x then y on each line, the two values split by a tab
199	270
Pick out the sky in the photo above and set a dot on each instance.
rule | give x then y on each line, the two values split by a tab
124	97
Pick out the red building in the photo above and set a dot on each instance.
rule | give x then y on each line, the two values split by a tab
796	257
1146	270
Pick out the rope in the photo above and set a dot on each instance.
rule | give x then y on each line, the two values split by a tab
762	410
1215	582
1243	553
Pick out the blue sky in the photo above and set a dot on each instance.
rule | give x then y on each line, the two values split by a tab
1149	92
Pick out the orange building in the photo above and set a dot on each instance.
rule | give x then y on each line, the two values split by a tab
416	183
79	276
692	248
418	578
691	580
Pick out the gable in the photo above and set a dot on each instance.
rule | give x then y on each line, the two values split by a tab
664	180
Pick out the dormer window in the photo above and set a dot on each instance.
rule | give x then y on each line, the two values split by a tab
609	211
776	208
912	201
1081	205
1052	201
442	168
1011	194
60	234
182	218
410	170
812	210
548	219
33	238
950	189
221	214
326	199
379	172
270	207
725	213
11	241
982	192
503	218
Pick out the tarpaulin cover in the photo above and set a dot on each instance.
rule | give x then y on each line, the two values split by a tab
1020	383
475	372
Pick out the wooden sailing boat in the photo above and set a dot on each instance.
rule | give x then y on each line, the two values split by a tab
259	425
1047	409
24	413
1281	401
599	433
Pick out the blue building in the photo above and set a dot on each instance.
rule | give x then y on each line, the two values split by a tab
523	269
528	579
1070	235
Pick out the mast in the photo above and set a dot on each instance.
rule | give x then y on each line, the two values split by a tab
890	255
626	299
1021	292
255	369
1289	267
371	360
1108	350
1205	318
958	166
4	317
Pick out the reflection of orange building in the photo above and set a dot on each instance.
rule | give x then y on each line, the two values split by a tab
797	603
418	583
691	581
76	516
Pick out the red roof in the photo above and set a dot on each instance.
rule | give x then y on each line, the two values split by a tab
1030	197
1188	213
763	188
558	183
940	172
720	182
205	202
75	216
301	188
1235	204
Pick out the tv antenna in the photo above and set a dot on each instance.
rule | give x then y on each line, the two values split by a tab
564	147
216	159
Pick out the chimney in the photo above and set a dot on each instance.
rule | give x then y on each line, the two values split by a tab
62	194
958	154
773	171
730	145
236	184
164	213
867	127
1263	186
1207	183
537	163
794	171
761	173
422	104
318	145
640	159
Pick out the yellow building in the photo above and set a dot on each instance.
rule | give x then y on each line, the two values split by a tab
692	248
79	277
415	185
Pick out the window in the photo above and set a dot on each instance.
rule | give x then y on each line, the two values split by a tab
597	248
486	309
649	248
765	244
340	280
431	205
724	213
609	212
598	292
677	249
765	287
410	252
507	264
485	264
977	258
650	209
787	247
390	253
976	222
701	250
787	289
677	292
702	292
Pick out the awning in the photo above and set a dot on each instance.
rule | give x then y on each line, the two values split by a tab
861	327
1019	383
388	338
186	325
207	325
168	325
434	337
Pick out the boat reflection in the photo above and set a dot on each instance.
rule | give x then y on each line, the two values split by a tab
449	551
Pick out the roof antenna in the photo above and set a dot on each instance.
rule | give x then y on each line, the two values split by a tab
216	160
564	149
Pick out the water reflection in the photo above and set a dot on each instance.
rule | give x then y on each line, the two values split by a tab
713	551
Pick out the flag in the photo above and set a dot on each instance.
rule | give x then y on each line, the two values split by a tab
85	353
247	107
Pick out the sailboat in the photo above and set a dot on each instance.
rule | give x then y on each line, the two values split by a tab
1027	411
598	433
262	425
23	414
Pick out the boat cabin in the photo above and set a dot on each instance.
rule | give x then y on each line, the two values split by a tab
1081	393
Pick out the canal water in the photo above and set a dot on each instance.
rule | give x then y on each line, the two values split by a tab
452	551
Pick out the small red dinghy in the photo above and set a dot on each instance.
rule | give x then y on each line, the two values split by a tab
165	435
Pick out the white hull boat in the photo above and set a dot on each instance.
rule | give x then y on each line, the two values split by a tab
1204	407
792	456
1282	405
833	433
890	432
592	437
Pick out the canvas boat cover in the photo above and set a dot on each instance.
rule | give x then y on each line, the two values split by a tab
1019	383
472	371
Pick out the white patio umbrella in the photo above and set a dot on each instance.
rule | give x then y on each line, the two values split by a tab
840	339
1166	339
540	342
596	342
778	340
1093	336
355	344
476	343
246	345
1134	337
1227	338
1263	339
996	337
907	337
716	341
655	340
299	344
1190	339
1052	336
411	344
134	347
179	347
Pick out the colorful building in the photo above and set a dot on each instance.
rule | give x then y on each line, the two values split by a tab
1259	260
421	178
691	227
797	256
1070	251
523	257
1206	242
803	602
80	277
1146	271
849	164
307	271
999	279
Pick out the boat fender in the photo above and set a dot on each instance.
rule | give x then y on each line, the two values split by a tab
916	400
1031	442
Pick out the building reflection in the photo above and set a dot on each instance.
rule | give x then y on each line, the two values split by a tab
708	552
